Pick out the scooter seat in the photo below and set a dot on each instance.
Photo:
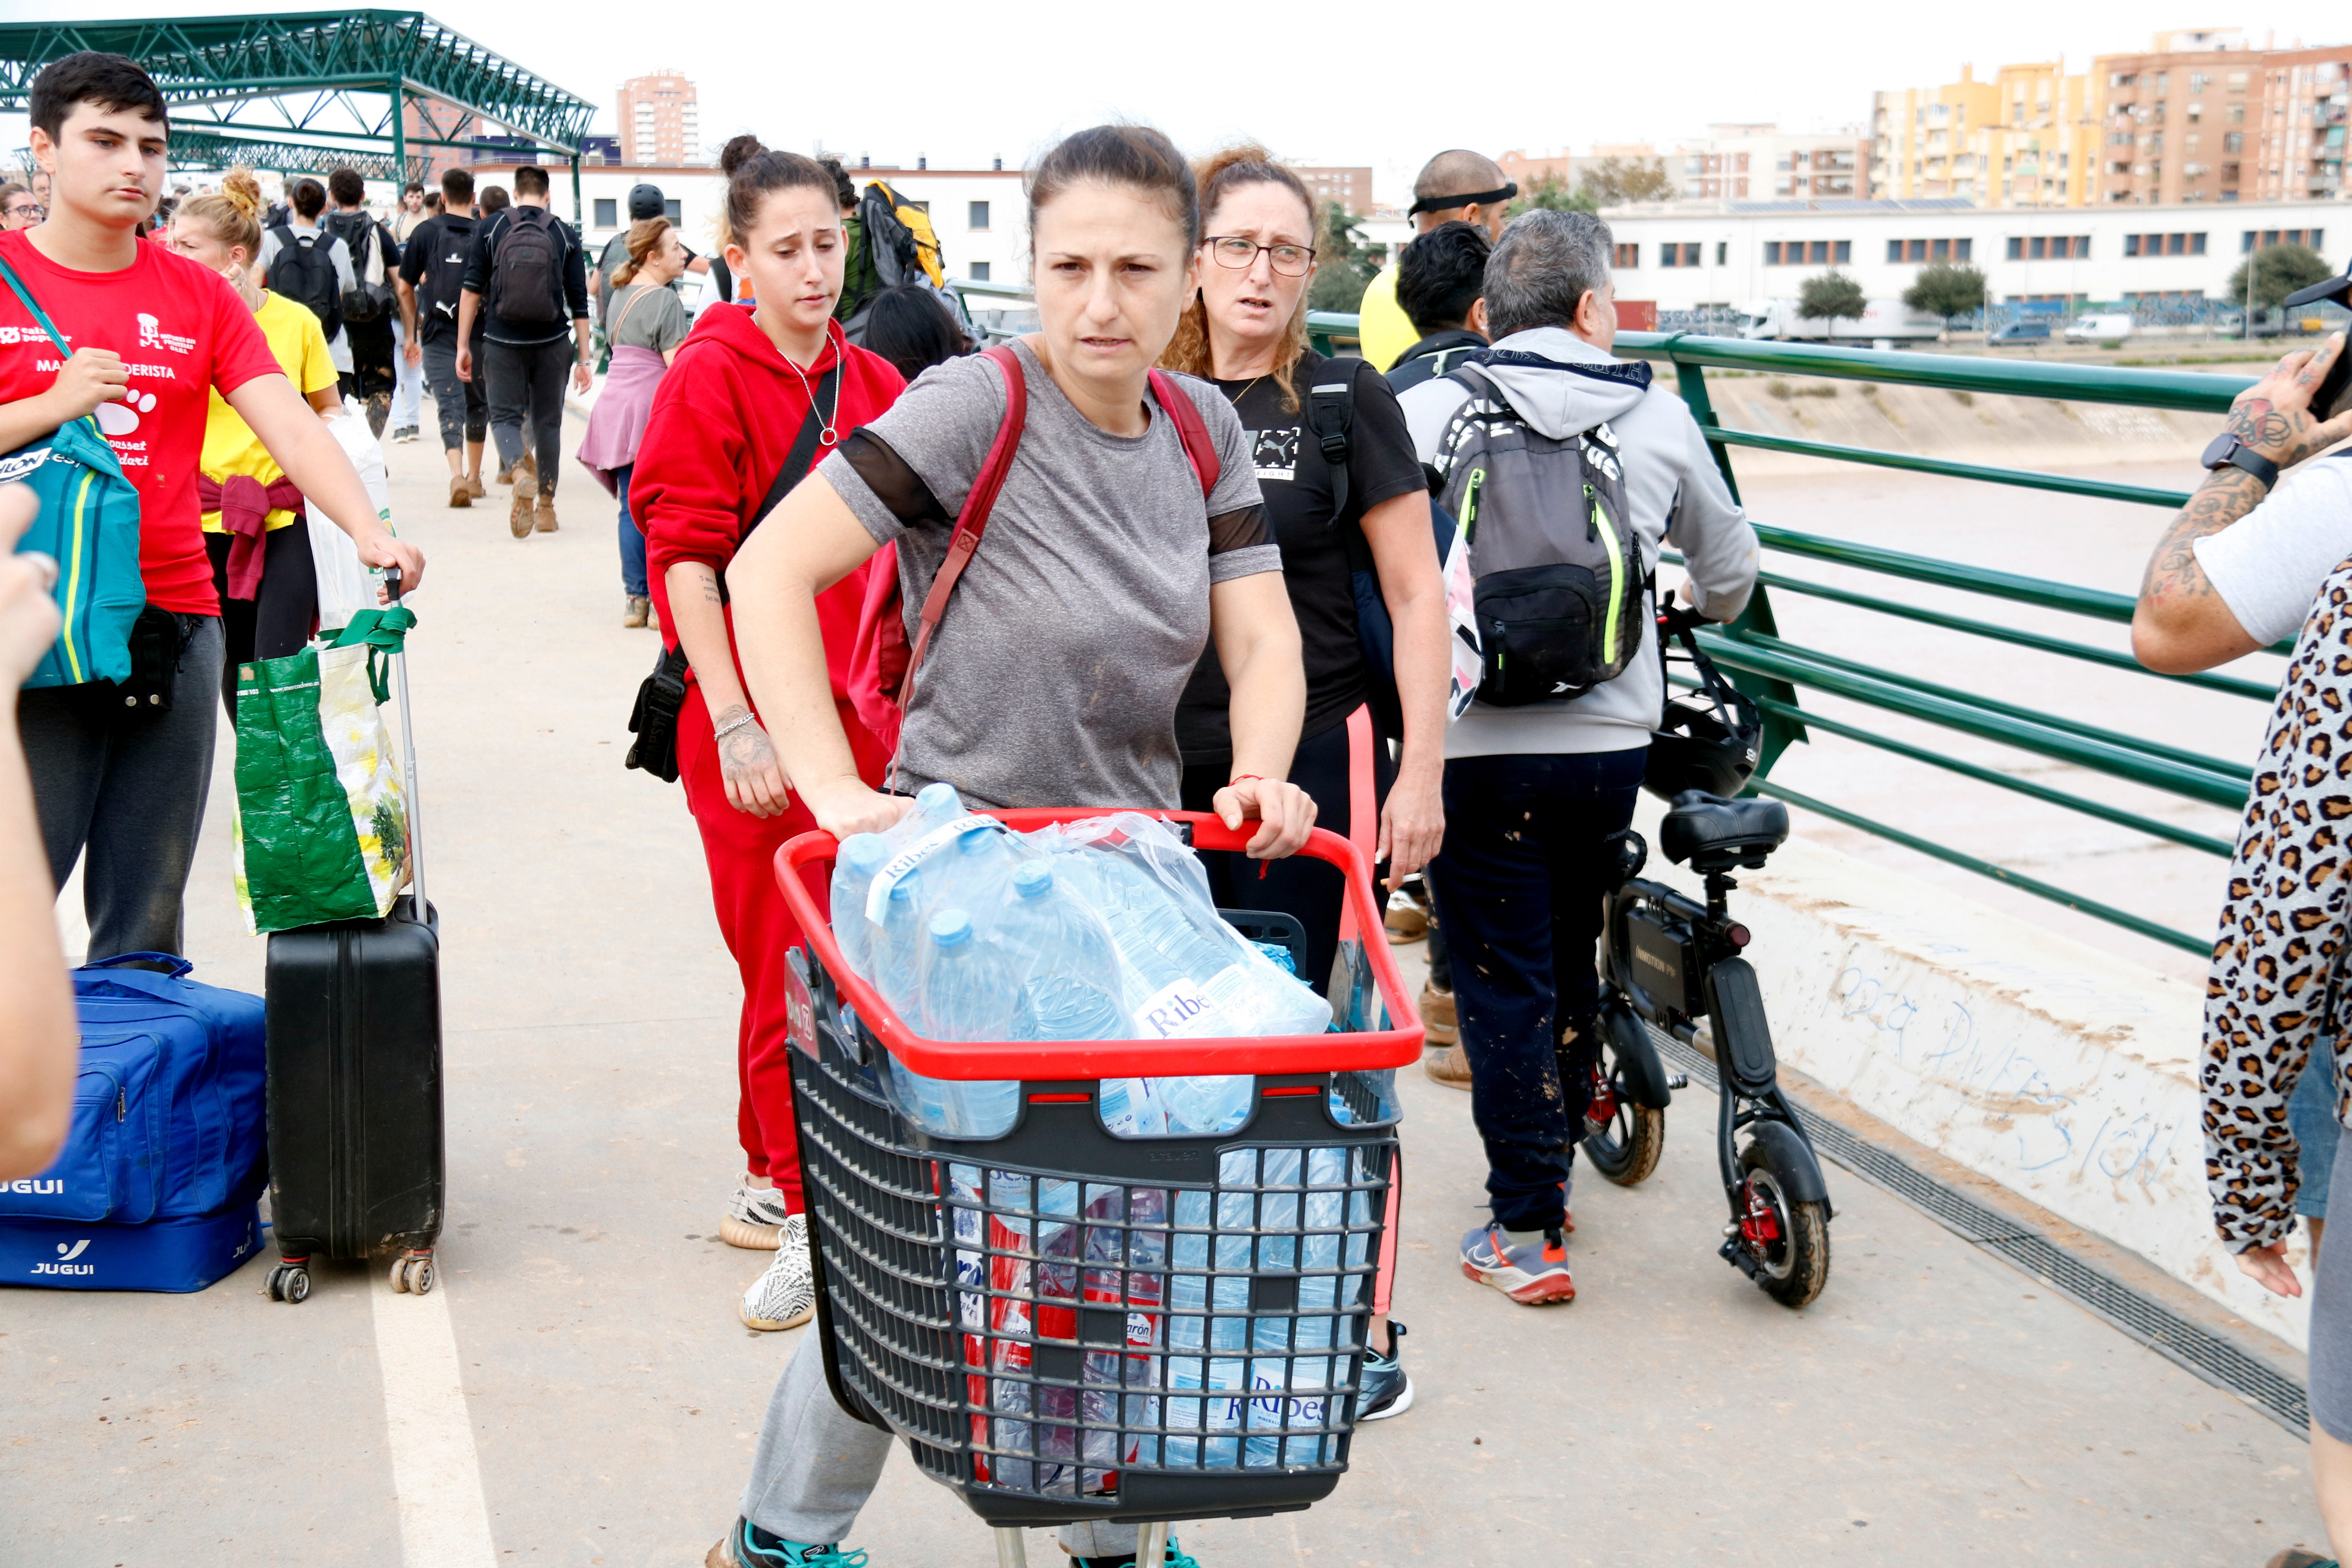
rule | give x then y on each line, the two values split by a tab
1714	833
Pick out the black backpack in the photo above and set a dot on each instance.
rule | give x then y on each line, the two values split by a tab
303	272
1558	566
443	279
526	277
369	296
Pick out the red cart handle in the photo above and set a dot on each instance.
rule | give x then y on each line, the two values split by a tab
1038	1060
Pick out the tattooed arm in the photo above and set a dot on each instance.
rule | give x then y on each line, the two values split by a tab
2181	624
747	759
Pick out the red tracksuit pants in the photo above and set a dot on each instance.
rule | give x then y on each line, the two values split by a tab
760	930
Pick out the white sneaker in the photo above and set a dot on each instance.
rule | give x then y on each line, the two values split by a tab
785	1297
754	1217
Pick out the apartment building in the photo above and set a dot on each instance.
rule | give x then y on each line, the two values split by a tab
659	122
1350	186
2201	118
1738	161
2028	138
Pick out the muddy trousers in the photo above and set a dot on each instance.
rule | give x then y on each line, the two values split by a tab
1518	889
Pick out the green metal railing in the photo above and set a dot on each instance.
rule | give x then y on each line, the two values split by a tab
1772	669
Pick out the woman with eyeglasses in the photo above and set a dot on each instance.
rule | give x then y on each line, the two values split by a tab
19	208
1246	330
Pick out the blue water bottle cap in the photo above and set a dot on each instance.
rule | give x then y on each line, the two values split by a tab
977	840
905	889
865	852
1032	879
936	799
951	927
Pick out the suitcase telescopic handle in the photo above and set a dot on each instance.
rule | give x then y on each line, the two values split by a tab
408	747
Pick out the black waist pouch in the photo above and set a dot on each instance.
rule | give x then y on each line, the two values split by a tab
654	719
158	638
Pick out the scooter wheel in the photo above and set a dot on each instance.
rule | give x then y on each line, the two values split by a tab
296	1287
1789	1241
399	1276
420	1277
1622	1139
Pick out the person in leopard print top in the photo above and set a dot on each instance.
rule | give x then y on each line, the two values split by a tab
2253	559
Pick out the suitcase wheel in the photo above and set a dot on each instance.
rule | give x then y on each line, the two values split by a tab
412	1272
290	1282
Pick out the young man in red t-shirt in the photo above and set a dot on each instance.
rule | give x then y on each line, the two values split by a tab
152	334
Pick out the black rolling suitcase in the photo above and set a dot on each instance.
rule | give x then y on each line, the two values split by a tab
356	1127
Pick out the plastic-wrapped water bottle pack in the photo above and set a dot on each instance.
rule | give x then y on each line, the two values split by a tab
1098	930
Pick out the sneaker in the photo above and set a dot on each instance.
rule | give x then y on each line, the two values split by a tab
405	434
460	492
639	608
748	1546
785	1297
1387	1391
546	515
1449	1067
520	510
1407	922
1437	1020
1533	1272
474	486
755	1215
1176	1558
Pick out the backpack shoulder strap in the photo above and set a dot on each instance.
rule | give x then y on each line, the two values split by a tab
973	520
25	298
1331	406
1190	428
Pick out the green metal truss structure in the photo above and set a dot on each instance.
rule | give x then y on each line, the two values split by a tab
306	92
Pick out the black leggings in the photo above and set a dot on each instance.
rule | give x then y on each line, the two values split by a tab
1308	888
279	622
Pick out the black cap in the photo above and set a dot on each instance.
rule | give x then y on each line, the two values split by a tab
645	201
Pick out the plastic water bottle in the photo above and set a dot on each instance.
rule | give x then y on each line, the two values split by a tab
968	993
936	804
1198	1106
971	874
1127	1106
896	946
1071	978
862	855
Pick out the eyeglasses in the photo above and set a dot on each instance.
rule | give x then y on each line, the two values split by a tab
1239	253
26	209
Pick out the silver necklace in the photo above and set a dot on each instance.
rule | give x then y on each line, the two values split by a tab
828	435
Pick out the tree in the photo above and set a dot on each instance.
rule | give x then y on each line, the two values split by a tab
2279	270
1342	266
1614	181
1832	296
1550	192
1946	289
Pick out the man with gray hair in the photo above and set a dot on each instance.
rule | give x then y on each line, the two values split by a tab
1532	790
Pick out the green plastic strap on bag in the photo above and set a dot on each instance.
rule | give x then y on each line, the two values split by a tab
385	632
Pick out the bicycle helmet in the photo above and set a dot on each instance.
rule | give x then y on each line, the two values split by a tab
1709	739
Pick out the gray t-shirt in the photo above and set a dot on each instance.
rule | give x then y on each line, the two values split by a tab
1054	677
656	322
2268	565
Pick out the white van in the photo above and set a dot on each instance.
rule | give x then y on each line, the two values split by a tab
1888	320
2117	324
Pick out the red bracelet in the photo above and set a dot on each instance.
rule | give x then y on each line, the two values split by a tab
1230	783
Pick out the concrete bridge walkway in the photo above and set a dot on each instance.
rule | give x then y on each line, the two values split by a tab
578	1390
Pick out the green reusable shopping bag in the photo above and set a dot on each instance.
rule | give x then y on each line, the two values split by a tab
322	825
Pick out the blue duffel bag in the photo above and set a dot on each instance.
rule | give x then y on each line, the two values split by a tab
157	1185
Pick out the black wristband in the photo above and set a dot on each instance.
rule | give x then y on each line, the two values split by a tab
2226	451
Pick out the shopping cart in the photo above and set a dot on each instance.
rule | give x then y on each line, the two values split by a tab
1066	1324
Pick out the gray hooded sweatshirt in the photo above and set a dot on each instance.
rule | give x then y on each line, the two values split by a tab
1675	493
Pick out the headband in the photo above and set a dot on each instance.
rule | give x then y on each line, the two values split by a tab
1447	204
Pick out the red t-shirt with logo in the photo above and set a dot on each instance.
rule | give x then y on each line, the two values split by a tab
181	330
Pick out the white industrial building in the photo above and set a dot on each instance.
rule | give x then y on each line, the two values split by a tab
979	212
1685	255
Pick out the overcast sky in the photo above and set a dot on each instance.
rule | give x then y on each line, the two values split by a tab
1380	83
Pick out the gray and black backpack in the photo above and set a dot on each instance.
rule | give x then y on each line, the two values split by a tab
1557	567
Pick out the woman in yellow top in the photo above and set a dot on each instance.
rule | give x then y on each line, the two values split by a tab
261	560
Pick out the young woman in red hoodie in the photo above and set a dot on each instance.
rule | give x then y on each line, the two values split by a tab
745	385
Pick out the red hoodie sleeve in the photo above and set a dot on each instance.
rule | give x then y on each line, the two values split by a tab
692	468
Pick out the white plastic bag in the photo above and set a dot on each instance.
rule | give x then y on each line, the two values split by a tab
345	586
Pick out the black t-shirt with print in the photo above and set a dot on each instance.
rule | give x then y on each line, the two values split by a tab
1381	465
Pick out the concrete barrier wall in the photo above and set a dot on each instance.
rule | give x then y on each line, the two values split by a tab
2063	1073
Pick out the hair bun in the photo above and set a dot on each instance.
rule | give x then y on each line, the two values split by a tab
240	186
738	150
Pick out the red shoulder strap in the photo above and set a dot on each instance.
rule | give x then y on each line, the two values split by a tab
1190	430
973	520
